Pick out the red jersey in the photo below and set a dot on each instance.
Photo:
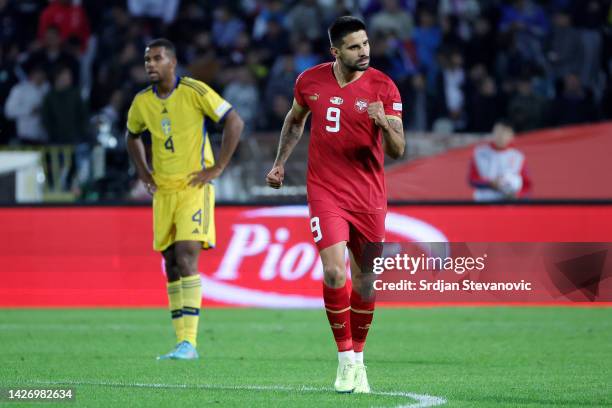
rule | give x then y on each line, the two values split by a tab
345	155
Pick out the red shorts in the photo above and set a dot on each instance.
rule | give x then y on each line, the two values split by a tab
331	224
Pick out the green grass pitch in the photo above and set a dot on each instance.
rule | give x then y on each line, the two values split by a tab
469	356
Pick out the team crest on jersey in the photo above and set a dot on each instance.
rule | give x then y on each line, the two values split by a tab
361	105
166	126
336	100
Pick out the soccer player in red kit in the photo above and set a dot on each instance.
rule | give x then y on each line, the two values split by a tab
356	119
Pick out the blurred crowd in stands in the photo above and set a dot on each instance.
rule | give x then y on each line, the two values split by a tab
69	69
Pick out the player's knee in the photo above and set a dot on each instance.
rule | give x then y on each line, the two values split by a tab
334	276
365	288
187	263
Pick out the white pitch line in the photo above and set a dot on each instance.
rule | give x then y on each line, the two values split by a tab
422	400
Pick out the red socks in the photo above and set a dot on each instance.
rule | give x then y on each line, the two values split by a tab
349	319
362	313
338	309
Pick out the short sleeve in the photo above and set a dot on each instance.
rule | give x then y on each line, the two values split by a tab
298	91
392	102
212	104
135	123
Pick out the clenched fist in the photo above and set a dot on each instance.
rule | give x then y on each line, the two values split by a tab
376	111
275	177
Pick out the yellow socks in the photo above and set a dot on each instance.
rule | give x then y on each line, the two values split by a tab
175	303
192	301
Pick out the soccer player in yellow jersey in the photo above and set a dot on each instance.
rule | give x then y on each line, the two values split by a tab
176	111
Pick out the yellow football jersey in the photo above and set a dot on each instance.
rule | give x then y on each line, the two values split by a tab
177	125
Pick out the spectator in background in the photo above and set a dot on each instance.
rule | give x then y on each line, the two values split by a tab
64	113
527	25
590	17
24	106
272	11
565	48
485	107
204	63
27	20
482	47
114	29
276	113
52	55
606	102
259	70
574	104
279	92
7	80
591	14
524	16
416	112
391	18
304	21
113	73
281	80
226	27
527	110
239	50
66	121
18	22
497	170
193	18
69	18
137	79
9	30
427	38
304	57
451	34
164	10
451	89
389	55
274	42
466	10
109	119
243	95
370	7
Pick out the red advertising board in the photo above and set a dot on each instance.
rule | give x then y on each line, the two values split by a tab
102	256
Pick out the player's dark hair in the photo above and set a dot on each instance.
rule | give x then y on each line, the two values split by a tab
342	27
504	122
164	43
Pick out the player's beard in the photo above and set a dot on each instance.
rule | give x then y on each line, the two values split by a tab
155	81
354	66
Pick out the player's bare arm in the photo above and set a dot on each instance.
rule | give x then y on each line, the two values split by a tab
293	128
232	129
392	130
136	151
394	142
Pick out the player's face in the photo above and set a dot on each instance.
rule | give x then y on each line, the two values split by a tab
502	135
159	64
354	53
